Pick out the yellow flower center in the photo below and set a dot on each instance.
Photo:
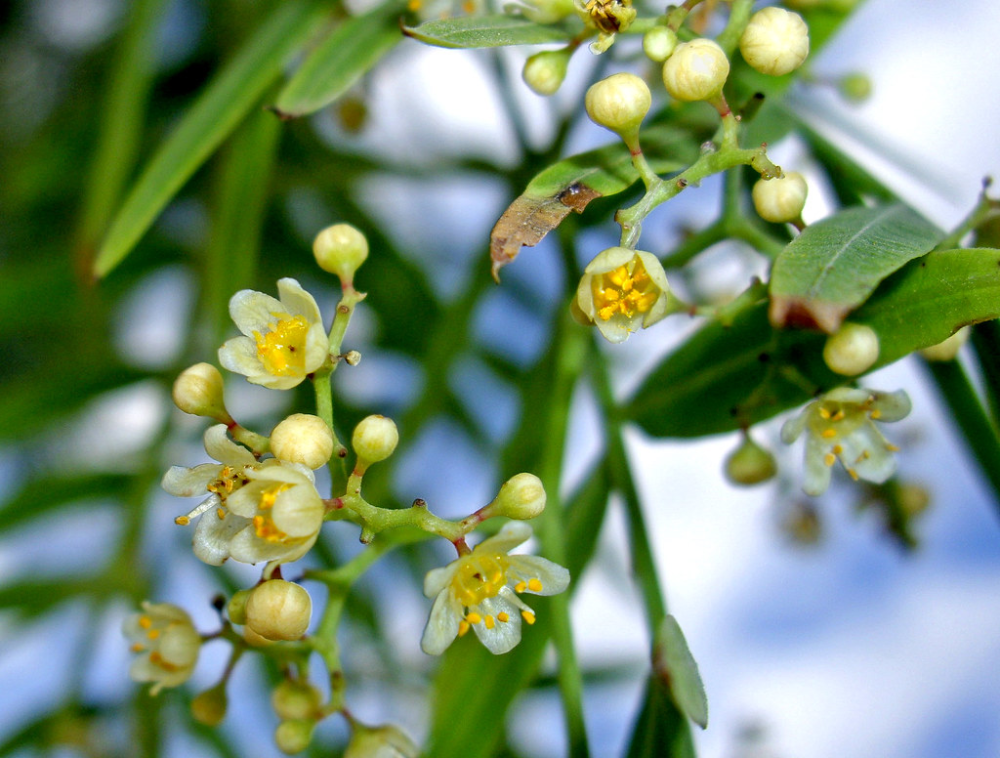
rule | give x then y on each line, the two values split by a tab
624	292
283	349
263	524
479	578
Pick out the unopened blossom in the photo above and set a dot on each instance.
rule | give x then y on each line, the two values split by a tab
167	644
622	290
254	511
841	426
481	591
283	340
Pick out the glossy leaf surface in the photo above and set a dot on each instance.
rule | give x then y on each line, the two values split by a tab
498	30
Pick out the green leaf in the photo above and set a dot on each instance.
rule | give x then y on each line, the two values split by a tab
677	668
490	31
39	497
351	50
659	730
835	264
725	378
222	105
572	183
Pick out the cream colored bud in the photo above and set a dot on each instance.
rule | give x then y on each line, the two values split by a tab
279	610
619	103
852	350
296	701
386	741
775	42
293	737
780	200
947	350
544	72
209	708
255	640
696	70
236	608
341	249
750	464
375	438
199	391
302	438
658	43
353	357
521	497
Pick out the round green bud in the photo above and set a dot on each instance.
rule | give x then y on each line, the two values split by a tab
658	43
780	200
279	610
696	70
375	438
852	350
856	87
209	707
521	497
341	249
775	42
750	464
913	499
544	72
293	737
303	438
199	391
619	103
236	608
386	741
947	350
295	701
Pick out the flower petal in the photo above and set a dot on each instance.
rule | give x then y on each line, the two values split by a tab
221	448
298	302
554	578
793	428
245	500
510	536
212	536
504	635
254	311
188	482
439	578
892	406
442	624
239	355
298	511
817	476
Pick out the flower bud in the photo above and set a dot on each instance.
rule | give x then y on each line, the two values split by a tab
913	499
619	103
780	200
386	741
293	737
696	70
255	640
236	608
856	87
209	708
295	701
852	350
947	350
341	249
658	43
302	438
521	497
750	464
279	610
374	440
775	42
199	391
544	72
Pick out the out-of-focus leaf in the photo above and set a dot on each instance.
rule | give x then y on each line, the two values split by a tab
221	106
473	686
352	49
725	378
850	180
36	597
39	497
572	183
490	31
835	264
660	730
674	665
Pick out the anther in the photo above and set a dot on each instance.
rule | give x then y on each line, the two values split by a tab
529	617
145	622
534	585
463	628
182	521
829	433
490	622
829	459
520	587
473	618
503	617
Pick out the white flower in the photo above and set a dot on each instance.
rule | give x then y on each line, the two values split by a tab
283	340
167	642
260	511
841	425
480	591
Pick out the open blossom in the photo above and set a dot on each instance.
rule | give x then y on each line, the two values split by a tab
254	511
841	426
283	340
479	591
167	643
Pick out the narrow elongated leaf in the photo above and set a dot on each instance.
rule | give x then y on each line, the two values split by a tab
352	49
39	497
572	183
220	108
490	31
660	730
725	378
677	669
835	264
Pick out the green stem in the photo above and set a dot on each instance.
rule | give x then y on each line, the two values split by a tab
739	16
980	435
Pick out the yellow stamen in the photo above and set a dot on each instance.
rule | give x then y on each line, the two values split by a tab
623	292
520	587
829	459
282	349
853	473
829	433
479	578
473	618
490	622
463	628
824	413
838	416
876	414
145	622
153	634
503	617
182	521
138	647
534	585
891	448
262	522
838	449
220	513
529	617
